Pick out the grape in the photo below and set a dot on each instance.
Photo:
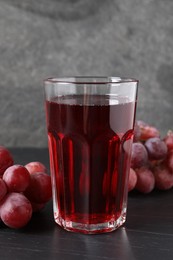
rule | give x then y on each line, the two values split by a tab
163	178
132	180
3	189
39	189
137	133
147	131
6	159
16	210
139	155
17	178
145	180
157	149
33	167
169	161
169	140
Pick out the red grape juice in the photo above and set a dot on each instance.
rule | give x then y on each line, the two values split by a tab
90	148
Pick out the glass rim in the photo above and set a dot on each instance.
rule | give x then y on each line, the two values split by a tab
89	80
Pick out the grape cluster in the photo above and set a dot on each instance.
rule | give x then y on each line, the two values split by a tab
152	159
23	190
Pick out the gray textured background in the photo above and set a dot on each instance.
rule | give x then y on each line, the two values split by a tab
45	38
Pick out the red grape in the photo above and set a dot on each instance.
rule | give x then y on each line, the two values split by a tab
17	178
3	189
6	159
169	161
16	210
132	180
137	133
147	131
39	189
163	178
157	149
34	167
139	155
169	140
145	180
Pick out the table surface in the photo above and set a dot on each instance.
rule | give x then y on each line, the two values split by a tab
147	233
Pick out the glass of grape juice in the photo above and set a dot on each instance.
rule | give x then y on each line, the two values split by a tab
90	122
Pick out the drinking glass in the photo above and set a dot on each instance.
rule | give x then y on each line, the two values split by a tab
90	124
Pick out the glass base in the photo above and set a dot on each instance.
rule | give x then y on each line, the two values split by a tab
91	228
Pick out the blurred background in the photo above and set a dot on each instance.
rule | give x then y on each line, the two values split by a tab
40	39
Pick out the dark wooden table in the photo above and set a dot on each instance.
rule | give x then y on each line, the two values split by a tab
147	234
